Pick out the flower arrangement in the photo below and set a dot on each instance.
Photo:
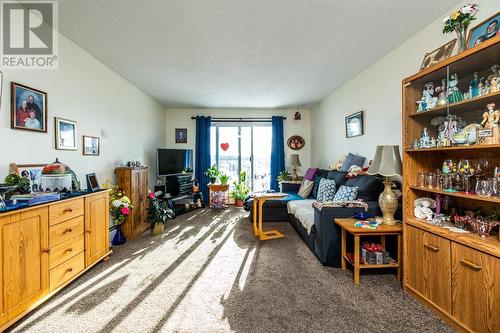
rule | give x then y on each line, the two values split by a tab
459	20
284	175
119	204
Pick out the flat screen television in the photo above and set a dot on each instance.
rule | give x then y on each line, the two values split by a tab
173	161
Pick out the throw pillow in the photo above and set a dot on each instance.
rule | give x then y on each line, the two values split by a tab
316	186
306	188
351	160
346	193
338	176
310	173
326	190
369	187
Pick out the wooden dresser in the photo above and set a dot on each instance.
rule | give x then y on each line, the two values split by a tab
45	247
134	183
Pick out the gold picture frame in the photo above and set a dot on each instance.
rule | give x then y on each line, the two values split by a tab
441	53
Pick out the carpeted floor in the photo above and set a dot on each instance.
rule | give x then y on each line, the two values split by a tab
207	273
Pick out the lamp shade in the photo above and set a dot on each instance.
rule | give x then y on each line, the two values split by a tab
387	162
294	160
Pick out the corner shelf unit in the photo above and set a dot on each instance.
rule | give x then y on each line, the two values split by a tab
455	274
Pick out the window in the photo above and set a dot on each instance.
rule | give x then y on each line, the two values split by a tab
238	147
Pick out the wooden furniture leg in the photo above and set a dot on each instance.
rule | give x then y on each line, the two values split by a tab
255	212
356	259
259	226
270	234
342	260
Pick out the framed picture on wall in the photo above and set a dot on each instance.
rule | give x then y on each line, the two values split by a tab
354	125
296	142
181	135
91	145
65	134
28	108
441	53
31	171
485	30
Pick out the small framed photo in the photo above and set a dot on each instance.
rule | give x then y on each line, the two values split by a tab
296	142
354	125
92	184
65	134
28	108
439	54
91	145
31	171
181	135
485	30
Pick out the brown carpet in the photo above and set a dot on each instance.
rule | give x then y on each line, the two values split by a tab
207	273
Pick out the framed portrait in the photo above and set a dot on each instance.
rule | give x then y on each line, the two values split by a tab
485	30
296	142
91	145
92	183
181	135
354	125
65	134
28	108
31	171
441	53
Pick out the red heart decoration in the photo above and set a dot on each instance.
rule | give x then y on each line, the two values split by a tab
224	146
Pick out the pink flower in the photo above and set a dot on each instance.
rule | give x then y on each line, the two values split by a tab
125	210
152	195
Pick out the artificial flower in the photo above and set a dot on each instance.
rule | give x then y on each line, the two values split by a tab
455	15
116	203
125	210
152	195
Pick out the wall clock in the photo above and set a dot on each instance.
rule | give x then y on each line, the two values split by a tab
296	142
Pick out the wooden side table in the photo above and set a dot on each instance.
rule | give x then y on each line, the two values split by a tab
347	226
258	202
218	188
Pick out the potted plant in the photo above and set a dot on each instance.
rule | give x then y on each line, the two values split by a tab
120	208
212	173
158	213
241	190
224	179
283	175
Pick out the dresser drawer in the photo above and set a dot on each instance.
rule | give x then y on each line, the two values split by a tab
66	271
65	230
66	250
65	210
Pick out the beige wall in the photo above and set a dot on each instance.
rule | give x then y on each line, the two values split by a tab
377	91
181	118
88	92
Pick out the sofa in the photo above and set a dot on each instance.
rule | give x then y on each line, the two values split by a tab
321	235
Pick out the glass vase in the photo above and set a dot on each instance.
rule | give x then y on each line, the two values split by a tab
461	37
119	237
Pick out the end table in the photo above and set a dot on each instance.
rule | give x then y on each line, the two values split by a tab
347	226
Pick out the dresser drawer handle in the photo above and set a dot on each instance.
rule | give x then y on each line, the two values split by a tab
471	265
68	230
69	270
46	250
67	210
69	249
432	248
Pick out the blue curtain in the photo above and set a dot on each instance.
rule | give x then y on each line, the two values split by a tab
202	152
277	151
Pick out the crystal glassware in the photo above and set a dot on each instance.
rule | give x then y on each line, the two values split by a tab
421	179
483	188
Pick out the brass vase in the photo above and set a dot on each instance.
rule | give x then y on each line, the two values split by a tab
158	228
388	202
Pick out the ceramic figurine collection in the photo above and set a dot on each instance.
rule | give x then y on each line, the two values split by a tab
453	129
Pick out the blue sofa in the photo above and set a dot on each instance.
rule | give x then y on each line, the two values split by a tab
324	240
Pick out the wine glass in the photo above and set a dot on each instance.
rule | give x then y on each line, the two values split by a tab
484	188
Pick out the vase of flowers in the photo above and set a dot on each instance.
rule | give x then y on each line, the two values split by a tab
120	208
459	21
158	213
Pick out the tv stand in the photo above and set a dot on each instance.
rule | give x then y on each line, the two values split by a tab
180	188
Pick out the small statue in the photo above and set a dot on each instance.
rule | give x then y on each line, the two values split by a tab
433	142
423	208
451	129
490	121
422	105
428	93
474	86
441	91
425	139
454	94
416	144
494	85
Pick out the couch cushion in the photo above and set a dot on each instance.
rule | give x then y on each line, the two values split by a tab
346	193
369	187
351	160
282	203
306	188
314	192
338	176
326	190
310	173
303	211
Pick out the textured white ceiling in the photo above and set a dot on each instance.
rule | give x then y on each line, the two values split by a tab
236	53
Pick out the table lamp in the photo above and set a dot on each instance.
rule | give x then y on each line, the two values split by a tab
294	162
387	163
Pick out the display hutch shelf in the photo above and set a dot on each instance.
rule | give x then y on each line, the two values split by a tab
455	274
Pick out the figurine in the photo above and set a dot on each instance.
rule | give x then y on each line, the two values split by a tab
428	93
423	208
441	91
454	94
486	88
494	85
416	144
474	86
433	142
451	129
422	104
490	121
425	139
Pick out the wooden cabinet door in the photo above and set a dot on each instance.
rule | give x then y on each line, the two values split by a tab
143	197
475	289
24	262
429	267
96	227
